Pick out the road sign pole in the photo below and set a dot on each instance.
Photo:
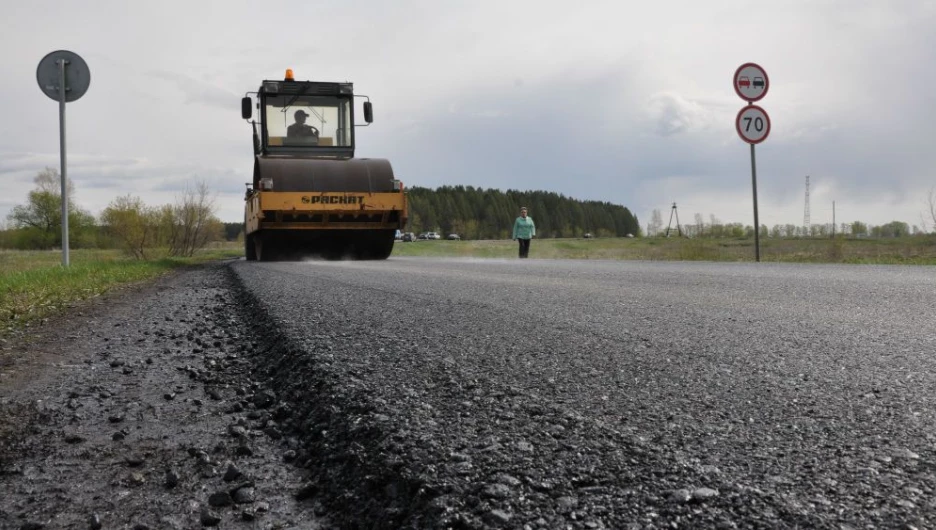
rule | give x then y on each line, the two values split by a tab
751	84
64	175
756	221
63	76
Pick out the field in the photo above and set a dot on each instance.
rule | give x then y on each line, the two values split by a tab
34	285
915	250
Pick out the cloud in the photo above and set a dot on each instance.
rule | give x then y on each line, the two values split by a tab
611	101
671	114
200	92
100	179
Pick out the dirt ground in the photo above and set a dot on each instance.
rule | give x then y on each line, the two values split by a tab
138	410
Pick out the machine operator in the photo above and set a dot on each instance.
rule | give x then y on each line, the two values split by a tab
300	129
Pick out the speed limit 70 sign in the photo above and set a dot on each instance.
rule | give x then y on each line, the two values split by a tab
753	124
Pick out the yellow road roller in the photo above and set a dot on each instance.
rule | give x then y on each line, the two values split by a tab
309	196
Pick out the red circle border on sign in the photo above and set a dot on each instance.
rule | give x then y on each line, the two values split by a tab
738	123
766	82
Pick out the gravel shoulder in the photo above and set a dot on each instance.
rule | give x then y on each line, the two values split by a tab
139	410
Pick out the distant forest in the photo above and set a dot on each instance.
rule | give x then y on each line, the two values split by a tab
475	213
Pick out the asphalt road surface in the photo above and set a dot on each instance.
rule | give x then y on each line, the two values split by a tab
476	394
584	394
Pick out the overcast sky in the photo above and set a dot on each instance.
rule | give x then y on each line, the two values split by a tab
629	102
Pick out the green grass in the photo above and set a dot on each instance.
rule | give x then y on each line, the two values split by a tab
34	284
913	250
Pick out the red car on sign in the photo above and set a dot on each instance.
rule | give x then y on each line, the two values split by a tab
744	81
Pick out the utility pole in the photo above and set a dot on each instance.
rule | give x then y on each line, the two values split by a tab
672	213
833	219
806	211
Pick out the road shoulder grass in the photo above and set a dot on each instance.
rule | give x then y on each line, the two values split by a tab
35	285
911	250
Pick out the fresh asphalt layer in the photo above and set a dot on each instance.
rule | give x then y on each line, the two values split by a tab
604	394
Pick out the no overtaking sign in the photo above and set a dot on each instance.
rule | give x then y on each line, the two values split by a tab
751	82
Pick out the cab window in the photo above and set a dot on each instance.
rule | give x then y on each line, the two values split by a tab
313	121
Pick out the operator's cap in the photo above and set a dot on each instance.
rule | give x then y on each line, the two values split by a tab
302	113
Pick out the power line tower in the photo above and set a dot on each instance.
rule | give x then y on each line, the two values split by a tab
672	213
806	211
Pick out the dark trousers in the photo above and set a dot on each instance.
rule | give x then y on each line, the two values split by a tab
524	248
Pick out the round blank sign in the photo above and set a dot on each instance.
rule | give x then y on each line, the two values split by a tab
77	75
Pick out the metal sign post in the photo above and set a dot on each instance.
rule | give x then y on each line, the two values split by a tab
63	161
64	77
756	220
753	124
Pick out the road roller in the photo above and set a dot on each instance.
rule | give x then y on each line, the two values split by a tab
309	196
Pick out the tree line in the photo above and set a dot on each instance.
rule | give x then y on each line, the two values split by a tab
476	213
142	231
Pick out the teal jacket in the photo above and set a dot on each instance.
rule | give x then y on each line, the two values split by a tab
524	228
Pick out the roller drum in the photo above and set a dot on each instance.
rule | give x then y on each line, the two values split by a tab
314	175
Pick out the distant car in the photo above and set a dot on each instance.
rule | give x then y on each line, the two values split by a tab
588	235
433	235
453	237
408	237
424	236
398	235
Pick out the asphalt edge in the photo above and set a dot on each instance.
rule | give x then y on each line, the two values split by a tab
356	469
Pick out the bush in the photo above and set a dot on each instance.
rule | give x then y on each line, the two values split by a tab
178	229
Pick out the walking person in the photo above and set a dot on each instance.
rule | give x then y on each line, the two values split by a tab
523	231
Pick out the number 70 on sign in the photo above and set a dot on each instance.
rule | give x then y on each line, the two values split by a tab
753	124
